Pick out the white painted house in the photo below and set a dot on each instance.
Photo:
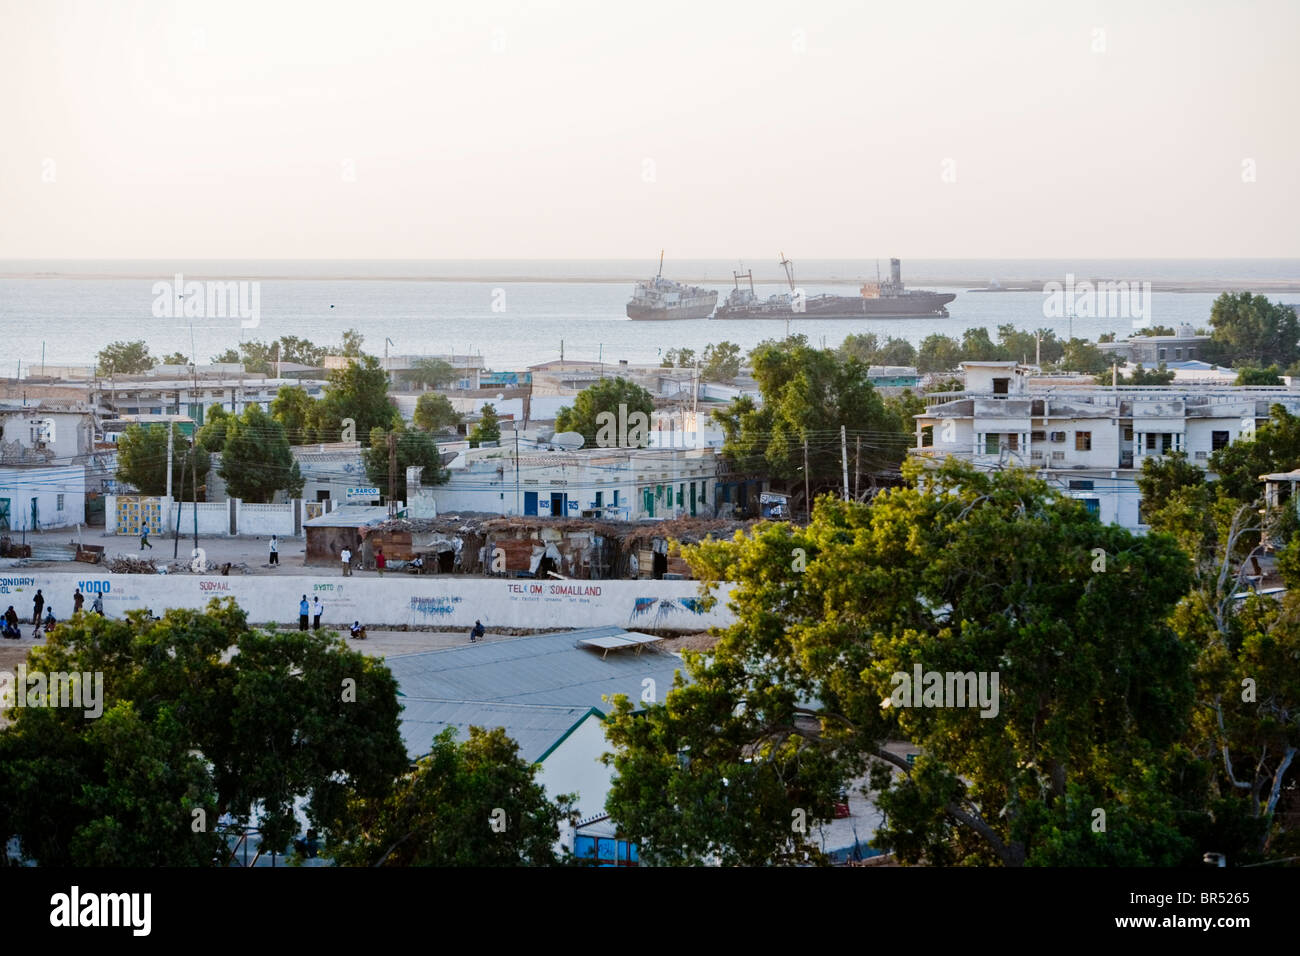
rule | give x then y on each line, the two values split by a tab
1088	441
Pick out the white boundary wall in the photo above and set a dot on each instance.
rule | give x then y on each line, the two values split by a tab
395	600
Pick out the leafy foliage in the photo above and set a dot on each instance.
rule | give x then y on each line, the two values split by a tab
142	459
358	392
488	427
1249	330
124	358
442	812
256	461
189	726
603	396
434	413
428	373
414	447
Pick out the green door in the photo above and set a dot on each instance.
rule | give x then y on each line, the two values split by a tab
692	499
4	514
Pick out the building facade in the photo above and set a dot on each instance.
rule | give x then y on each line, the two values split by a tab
1089	442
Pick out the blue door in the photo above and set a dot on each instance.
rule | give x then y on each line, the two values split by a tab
530	502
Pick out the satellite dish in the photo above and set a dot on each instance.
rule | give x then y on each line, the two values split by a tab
501	396
569	441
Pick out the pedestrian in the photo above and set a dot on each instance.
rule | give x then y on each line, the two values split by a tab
347	562
316	608
144	538
380	561
275	550
38	602
476	632
303	608
98	605
78	599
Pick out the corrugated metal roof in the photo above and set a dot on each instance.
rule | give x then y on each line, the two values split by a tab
536	728
540	669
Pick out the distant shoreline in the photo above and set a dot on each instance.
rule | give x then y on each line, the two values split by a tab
967	284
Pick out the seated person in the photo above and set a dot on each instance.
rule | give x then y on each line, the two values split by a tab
49	620
417	565
357	630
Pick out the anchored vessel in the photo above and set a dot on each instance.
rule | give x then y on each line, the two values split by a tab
880	299
661	298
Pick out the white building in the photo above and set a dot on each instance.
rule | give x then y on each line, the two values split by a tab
1088	441
619	483
183	396
38	497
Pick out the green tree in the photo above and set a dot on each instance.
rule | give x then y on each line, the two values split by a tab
414	447
1080	355
1024	346
434	413
212	434
256	461
980	573
1252	331
807	394
1152	330
351	347
124	358
175	358
1140	376
976	346
488	427
228	357
442	812
868	349
1259	376
142	459
292	408
604	396
189	726
939	353
358	392
428	373
1274	447
678	358
721	362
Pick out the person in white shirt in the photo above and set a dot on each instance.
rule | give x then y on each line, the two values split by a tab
316	608
347	562
275	550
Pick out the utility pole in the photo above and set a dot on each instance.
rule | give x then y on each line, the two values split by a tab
844	461
392	473
168	425
857	464
807	493
518	500
194	473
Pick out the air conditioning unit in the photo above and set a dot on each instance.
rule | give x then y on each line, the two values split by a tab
1058	437
1201	455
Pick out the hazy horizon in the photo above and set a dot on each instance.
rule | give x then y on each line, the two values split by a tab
152	130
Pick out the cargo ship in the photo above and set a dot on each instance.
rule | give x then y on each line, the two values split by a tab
878	300
661	298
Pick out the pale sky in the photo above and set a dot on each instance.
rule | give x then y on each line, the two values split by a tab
438	130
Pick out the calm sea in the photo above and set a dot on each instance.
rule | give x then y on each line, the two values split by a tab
518	313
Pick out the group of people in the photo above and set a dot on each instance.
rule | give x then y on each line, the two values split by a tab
9	621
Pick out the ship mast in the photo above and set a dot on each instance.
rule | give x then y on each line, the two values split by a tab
661	264
789	273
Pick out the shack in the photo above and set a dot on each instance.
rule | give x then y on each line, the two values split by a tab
344	527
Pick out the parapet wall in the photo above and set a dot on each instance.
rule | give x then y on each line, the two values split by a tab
394	601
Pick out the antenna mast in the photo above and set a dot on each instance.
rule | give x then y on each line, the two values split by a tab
661	264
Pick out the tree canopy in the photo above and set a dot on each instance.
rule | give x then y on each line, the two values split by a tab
428	373
359	393
190	732
487	428
1249	330
124	358
255	460
988	574
142	459
604	396
470	803
434	413
414	447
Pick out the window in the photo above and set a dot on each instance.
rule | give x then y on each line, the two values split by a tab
1080	484
927	436
1218	440
991	443
60	501
606	851
1013	441
1083	441
1037	436
1128	432
1162	354
704	486
1058	456
1058	437
1202	455
1093	505
1151	441
1000	386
